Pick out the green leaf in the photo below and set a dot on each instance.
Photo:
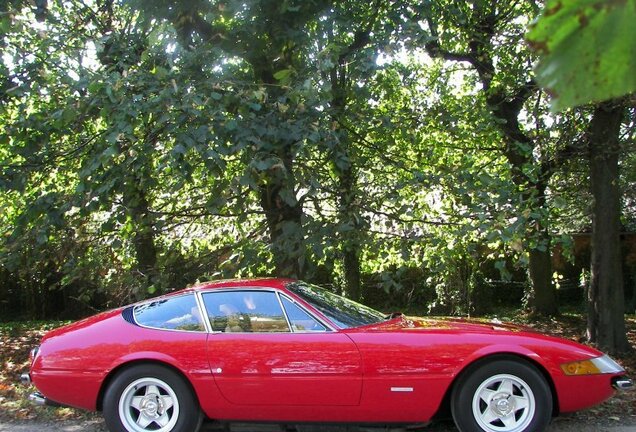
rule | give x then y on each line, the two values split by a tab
231	125
109	93
288	197
283	75
42	238
110	152
159	71
69	114
587	50
5	24
95	86
179	149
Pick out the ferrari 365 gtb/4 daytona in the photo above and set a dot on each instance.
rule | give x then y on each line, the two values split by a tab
285	351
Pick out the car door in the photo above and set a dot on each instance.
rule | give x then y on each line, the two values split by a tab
263	353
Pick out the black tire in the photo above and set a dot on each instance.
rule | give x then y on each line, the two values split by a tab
150	397
502	396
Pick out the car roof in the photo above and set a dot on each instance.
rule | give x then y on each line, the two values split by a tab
240	283
254	283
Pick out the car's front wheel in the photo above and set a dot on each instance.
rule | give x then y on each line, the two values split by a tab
146	398
502	396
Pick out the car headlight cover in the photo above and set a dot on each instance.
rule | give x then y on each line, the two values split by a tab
597	365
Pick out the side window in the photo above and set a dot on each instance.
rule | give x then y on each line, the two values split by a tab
300	320
176	313
245	311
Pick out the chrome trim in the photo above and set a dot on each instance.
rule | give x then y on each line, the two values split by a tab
325	322
25	379
622	383
204	313
607	365
284	312
38	398
237	289
327	327
402	389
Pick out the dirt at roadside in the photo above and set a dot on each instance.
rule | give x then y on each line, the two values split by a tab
561	424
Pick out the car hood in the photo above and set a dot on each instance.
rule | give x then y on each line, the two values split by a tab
463	325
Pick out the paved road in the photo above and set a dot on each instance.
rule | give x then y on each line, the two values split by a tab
559	425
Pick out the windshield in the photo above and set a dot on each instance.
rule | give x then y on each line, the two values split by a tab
343	312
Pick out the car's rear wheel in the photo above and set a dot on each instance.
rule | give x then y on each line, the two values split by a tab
502	396
147	398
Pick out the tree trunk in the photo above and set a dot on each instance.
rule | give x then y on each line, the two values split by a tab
606	316
348	215
284	218
278	189
143	239
285	230
540	260
533	194
540	271
351	257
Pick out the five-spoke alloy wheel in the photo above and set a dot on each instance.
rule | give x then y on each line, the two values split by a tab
502	396
146	398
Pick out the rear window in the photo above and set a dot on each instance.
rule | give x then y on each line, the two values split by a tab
175	313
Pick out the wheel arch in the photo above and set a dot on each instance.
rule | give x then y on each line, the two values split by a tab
444	408
127	365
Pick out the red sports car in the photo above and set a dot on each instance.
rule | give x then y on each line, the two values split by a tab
286	351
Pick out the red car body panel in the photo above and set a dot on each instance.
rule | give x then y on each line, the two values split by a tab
292	369
71	366
397	371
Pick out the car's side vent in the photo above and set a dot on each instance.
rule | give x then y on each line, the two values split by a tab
127	314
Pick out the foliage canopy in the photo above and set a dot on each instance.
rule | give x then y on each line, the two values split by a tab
399	148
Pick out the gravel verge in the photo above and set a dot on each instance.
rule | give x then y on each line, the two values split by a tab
561	424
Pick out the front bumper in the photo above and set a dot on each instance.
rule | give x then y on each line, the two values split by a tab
622	383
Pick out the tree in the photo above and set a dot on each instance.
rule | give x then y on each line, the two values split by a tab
606	310
270	39
587	54
351	50
399	147
472	35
